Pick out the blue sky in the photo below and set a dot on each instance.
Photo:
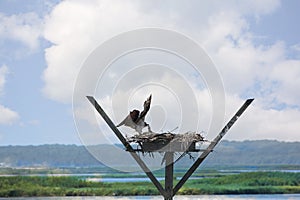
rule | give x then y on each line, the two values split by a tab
281	25
43	43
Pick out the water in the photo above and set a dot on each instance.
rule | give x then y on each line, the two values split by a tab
238	171
122	180
179	197
96	177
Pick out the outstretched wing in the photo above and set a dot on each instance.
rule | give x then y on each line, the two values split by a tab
132	117
146	108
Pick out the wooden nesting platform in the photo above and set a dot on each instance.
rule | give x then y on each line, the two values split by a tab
153	142
167	142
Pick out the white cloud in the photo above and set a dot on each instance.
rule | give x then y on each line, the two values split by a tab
259	123
77	27
25	28
287	76
3	73
7	116
296	47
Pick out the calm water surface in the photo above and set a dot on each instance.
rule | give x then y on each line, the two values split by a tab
179	197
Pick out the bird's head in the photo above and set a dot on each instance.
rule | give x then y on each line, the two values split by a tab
134	115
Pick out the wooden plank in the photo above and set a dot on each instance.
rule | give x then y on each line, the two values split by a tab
169	170
127	145
211	146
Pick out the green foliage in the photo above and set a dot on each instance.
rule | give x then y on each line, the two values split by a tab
244	183
68	186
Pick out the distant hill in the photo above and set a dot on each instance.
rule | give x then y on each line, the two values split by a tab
53	155
260	152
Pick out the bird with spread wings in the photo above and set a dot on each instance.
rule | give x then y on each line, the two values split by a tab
136	119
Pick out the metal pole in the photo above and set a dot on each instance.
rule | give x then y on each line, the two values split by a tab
127	145
211	146
169	169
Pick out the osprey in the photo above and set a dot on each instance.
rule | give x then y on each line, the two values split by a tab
135	119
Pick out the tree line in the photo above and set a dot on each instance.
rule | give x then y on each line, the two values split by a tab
261	152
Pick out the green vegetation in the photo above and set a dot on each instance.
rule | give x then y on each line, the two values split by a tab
68	186
244	183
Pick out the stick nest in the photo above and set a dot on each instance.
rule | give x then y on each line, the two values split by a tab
151	137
